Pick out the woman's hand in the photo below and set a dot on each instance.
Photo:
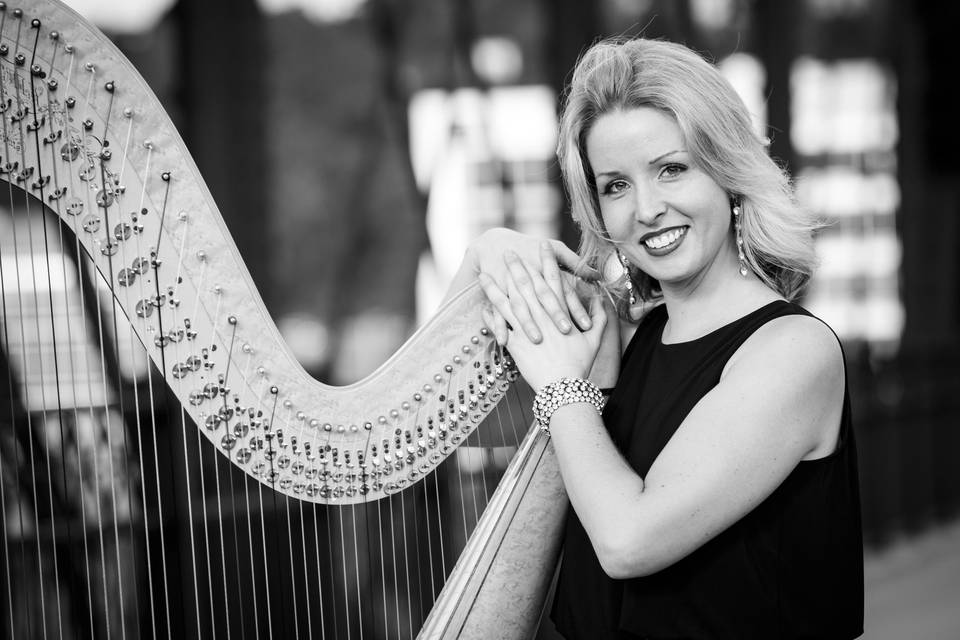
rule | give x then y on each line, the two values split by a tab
544	257
551	353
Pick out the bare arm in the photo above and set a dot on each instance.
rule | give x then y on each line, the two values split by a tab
778	402
606	364
732	451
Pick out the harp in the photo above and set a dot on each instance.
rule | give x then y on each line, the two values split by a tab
167	469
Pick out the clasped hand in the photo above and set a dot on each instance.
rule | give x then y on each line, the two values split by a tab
527	315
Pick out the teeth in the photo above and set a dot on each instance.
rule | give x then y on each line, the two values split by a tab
662	240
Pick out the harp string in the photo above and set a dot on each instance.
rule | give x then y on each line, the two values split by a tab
3	470
135	385
358	584
406	560
394	565
28	440
306	573
418	561
368	540
136	273
182	222
287	528
107	423
249	517
266	571
155	261
408	593
77	372
53	330
253	566
119	235
13	417
273	498
433	588
3	509
22	527
108	414
87	374
331	542
109	246
383	575
293	566
122	231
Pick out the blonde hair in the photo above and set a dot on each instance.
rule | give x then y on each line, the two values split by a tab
623	74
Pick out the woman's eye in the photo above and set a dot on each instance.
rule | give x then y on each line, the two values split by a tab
672	170
614	187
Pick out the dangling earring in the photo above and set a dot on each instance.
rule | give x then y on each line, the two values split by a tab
626	274
739	237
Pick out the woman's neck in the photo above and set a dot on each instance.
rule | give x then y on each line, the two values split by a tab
697	309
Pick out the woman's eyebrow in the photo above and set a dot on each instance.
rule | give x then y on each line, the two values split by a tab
668	153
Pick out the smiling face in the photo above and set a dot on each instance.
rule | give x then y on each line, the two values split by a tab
669	218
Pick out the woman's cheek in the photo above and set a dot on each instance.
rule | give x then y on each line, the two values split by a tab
615	225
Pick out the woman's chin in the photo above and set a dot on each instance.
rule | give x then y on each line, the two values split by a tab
671	275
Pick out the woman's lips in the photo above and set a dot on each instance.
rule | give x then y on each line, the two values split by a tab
660	243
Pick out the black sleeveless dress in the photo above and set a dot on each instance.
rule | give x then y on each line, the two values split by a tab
791	568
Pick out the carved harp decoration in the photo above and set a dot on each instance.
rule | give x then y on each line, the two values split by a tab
374	509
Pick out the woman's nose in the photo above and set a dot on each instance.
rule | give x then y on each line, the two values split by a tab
648	206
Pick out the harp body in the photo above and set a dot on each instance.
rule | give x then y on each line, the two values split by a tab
113	242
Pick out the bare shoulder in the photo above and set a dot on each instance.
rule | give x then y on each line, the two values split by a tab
798	360
804	343
796	346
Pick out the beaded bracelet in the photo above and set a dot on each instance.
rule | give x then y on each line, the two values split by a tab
563	392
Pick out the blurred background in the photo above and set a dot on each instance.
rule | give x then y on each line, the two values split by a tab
355	147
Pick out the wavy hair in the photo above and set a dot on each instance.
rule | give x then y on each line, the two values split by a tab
716	128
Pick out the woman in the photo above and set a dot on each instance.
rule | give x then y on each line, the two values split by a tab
716	495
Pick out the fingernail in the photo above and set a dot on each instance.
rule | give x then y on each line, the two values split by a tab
565	326
585	321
